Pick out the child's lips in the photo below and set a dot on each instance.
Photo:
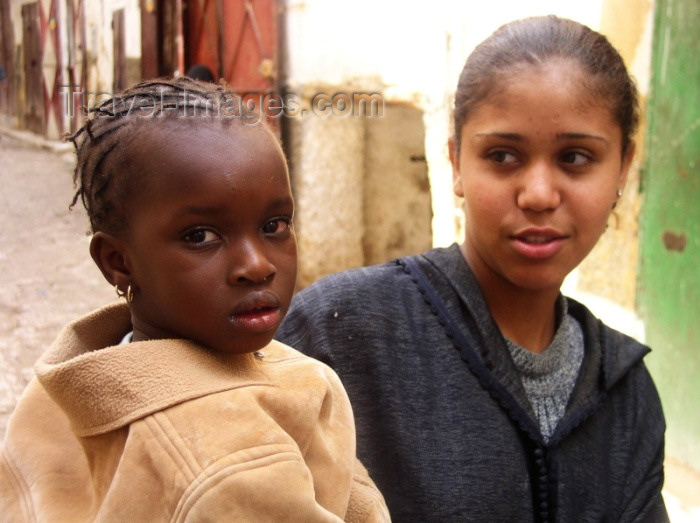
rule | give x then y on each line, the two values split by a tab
257	312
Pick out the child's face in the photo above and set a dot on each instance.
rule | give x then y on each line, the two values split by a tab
209	243
539	166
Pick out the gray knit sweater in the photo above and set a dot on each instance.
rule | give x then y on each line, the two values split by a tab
549	377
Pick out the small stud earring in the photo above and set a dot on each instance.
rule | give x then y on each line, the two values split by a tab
619	193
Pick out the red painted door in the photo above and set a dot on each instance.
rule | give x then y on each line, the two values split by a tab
76	63
119	50
7	61
33	113
236	39
44	86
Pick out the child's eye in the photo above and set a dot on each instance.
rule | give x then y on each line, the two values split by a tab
276	225
575	158
200	236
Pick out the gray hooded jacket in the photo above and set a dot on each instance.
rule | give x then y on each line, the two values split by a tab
443	422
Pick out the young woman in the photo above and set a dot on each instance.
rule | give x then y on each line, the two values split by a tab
480	392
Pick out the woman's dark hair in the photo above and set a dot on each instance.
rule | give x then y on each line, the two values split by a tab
534	41
103	175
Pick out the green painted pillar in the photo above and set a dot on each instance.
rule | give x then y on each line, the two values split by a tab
669	281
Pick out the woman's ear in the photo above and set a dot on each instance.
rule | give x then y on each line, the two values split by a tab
108	253
456	175
626	164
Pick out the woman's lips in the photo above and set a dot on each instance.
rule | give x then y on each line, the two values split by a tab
257	312
538	244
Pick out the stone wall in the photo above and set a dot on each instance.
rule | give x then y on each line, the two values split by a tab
361	189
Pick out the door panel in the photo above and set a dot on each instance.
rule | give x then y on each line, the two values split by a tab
34	117
236	39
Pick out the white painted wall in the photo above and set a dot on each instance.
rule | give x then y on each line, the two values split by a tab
100	37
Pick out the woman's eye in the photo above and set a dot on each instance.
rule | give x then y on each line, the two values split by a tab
200	236
575	158
276	226
502	157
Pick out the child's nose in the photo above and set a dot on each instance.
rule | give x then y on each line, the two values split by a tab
251	265
539	188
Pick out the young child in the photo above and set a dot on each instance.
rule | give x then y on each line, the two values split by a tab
480	392
177	405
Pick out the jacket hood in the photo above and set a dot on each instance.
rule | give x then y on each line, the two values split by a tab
608	350
620	352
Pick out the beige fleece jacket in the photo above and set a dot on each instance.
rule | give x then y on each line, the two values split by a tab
165	430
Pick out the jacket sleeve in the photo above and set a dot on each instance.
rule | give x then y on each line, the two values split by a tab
367	504
646	478
276	487
647	504
306	328
14	503
42	466
312	477
279	489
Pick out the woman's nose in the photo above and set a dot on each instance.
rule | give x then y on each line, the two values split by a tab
539	188
251	264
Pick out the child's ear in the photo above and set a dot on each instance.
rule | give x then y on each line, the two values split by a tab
108	253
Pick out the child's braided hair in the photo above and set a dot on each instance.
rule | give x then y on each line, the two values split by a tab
103	179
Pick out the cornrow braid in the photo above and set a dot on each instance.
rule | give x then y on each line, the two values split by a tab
100	177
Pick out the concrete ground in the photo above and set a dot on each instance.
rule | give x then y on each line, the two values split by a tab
47	278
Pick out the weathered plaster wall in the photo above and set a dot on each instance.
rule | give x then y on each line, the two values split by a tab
327	159
361	189
610	271
100	46
397	207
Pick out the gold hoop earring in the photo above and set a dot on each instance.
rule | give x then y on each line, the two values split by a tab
120	294
129	294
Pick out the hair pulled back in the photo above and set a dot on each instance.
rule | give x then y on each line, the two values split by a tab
103	174
534	41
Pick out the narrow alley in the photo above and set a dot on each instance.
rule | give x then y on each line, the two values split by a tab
46	275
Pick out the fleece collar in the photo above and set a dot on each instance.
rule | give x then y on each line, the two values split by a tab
103	386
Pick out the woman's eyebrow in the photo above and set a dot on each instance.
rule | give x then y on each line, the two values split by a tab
507	136
560	136
581	136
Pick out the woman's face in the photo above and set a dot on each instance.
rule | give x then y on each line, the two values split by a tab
539	166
